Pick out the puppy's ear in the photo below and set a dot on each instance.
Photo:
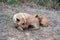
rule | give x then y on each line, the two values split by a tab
36	15
17	19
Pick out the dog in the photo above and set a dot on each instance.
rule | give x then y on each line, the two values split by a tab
25	20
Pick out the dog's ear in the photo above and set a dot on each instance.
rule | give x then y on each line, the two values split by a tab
17	19
36	16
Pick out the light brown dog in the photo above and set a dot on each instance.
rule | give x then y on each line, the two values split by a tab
24	20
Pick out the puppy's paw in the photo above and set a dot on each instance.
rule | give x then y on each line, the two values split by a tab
20	28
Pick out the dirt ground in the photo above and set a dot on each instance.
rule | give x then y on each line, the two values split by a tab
9	32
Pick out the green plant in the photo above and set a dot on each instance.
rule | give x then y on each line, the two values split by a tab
15	2
55	4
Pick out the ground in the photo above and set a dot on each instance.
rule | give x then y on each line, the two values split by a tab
9	32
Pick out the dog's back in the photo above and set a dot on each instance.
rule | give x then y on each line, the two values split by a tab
43	20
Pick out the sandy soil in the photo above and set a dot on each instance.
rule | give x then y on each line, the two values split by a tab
9	32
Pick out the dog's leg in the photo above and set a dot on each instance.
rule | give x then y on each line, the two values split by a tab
20	28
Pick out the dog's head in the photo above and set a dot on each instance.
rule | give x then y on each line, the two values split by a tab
19	20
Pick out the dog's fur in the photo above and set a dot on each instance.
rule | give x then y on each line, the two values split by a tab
34	22
23	20
42	20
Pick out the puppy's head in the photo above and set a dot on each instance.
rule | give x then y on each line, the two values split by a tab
42	20
19	20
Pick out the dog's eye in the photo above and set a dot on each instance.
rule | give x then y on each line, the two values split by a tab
17	19
22	23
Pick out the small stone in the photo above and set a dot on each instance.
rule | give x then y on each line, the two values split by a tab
27	34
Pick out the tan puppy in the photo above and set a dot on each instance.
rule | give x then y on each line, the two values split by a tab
42	20
24	20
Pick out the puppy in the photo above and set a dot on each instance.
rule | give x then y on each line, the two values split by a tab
43	21
24	20
27	21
